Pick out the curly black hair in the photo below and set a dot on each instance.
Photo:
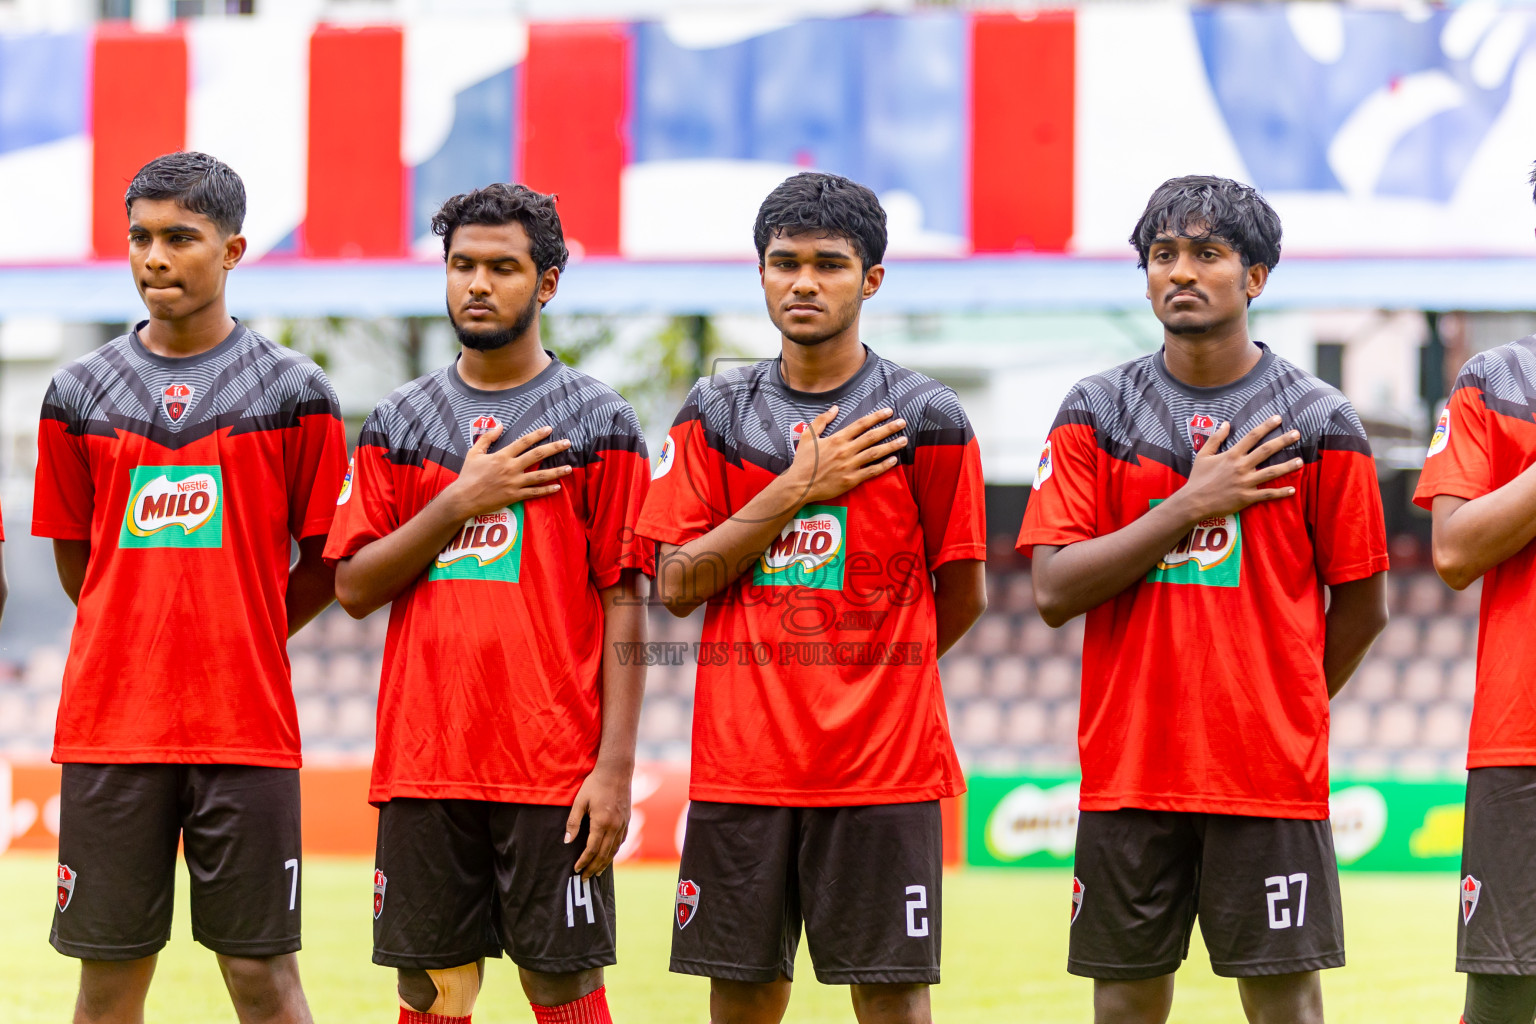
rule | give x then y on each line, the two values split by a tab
1202	206
825	203
196	181
503	203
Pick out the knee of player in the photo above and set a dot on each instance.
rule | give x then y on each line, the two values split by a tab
558	989
450	992
257	985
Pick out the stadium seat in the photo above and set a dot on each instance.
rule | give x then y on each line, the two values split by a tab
346	673
979	724
1036	638
375	629
1056	678
1418	764
307	669
1467	602
961	676
1423	680
45	715
989	636
1018	593
341	632
662	720
1424	594
1374	682
1445	637
1445	726
1009	678
1463	680
1024	724
1063	728
1397	726
1350	727
315	719
44	668
1399	640
355	719
14	708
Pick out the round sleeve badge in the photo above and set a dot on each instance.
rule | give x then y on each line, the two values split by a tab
664	464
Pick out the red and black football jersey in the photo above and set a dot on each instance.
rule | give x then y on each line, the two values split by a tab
1203	685
818	681
493	662
1485	438
191	478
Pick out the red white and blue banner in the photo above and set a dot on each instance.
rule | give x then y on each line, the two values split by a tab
1373	132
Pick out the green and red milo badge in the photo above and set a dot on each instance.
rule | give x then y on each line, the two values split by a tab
488	547
174	507
808	552
1209	555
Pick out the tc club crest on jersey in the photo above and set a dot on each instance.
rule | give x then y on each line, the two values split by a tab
687	902
1077	899
66	886
379	882
1201	427
1044	466
1471	889
482	425
174	400
1442	435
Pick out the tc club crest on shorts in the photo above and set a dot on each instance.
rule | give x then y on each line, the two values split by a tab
66	886
1201	427
174	400
1077	899
687	902
379	882
1471	889
482	425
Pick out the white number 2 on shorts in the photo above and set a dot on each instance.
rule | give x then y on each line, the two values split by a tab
1278	888
917	899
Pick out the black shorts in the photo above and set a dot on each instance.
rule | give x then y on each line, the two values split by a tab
457	880
118	829
1266	892
1496	933
865	881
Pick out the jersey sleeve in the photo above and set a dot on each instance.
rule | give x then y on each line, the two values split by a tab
687	494
947	483
1349	535
365	510
315	459
64	492
1459	461
1063	504
616	487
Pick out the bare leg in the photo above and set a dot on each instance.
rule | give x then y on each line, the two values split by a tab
559	989
113	991
265	990
1145	1001
891	1004
746	1002
1283	998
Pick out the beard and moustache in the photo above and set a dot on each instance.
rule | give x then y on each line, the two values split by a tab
488	341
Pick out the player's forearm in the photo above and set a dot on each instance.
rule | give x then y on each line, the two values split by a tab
70	558
379	572
311	584
623	676
959	598
1357	613
689	575
1074	579
1471	537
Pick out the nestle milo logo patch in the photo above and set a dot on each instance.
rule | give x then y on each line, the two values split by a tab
174	507
808	552
487	547
1210	554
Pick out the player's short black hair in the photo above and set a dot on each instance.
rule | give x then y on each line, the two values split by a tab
504	203
196	181
825	203
1202	206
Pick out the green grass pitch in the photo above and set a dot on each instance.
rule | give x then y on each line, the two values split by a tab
1005	936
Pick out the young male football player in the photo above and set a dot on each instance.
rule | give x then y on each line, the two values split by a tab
1202	505
1480	488
828	506
176	466
493	502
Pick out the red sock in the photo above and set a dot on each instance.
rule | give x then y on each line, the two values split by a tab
591	1008
408	1016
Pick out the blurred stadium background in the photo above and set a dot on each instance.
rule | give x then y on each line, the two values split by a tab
1013	145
